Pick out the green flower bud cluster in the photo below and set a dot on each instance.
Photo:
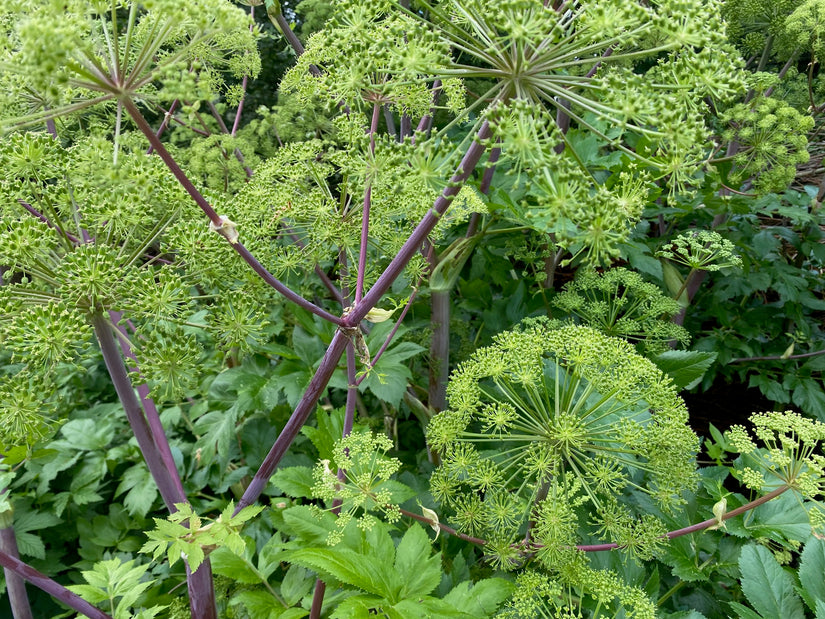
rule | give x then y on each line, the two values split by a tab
790	453
28	404
91	55
620	303
805	26
751	23
364	488
577	590
772	139
702	250
367	54
554	415
163	356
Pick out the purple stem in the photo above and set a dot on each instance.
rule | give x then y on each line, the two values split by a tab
46	221
352	396
425	226
170	491
244	83
391	334
317	599
365	213
224	129
216	220
339	341
149	407
302	412
15	585
56	590
201	588
426	121
164	124
706	524
439	350
239	111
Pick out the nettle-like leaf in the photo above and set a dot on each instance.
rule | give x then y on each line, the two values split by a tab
118	585
768	587
396	579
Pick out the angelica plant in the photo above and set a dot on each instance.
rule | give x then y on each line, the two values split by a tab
550	418
362	484
789	457
619	302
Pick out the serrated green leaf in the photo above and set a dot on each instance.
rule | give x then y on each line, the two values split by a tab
296	584
268	558
226	563
685	367
743	612
481	599
217	429
330	429
812	572
414	561
768	587
141	490
312	530
294	481
258	603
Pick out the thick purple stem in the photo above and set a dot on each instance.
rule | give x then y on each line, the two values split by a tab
419	235
201	588
15	585
162	475
296	421
56	590
365	213
439	350
216	220
339	341
149	407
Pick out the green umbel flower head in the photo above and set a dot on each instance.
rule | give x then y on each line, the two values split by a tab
619	302
791	455
557	417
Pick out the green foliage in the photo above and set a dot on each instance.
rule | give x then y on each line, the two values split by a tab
608	118
395	578
183	536
120	584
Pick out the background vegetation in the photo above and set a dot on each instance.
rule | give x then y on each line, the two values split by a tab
412	308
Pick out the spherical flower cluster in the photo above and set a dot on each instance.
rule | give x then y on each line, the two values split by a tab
702	250
361	487
566	412
619	302
791	455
